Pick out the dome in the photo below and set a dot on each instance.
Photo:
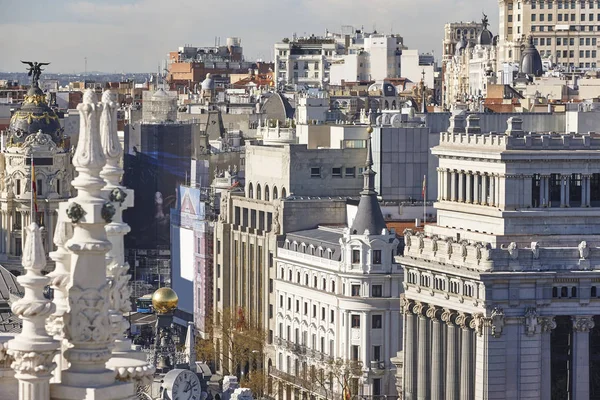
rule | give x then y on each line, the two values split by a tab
531	62
208	83
35	115
164	300
485	38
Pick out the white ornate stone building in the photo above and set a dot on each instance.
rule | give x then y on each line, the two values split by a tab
501	295
34	133
470	70
337	292
74	346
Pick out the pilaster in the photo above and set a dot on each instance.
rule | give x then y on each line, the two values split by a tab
451	384
582	325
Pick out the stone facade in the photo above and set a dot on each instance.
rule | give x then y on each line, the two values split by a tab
502	292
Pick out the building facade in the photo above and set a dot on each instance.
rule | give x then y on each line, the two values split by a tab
34	134
565	32
501	297
337	291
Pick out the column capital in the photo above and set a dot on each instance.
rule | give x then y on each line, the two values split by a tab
478	322
582	323
406	305
448	316
433	312
463	320
547	324
419	309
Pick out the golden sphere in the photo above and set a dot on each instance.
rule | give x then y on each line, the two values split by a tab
370	129
164	300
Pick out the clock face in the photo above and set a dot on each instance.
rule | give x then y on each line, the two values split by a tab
186	386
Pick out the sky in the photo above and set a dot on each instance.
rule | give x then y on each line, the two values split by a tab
136	35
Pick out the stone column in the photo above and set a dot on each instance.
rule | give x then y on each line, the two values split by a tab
87	322
451	387
60	282
33	349
468	195
453	186
461	186
581	356
436	378
409	350
563	197
484	190
547	325
476	188
422	358
466	357
492	190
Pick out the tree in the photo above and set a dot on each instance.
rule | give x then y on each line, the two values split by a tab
234	342
338	378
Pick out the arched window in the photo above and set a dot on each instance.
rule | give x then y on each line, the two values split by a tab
283	193
250	190
315	283
274	192
333	286
267	193
258	191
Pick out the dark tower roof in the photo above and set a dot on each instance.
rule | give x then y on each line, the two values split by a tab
531	62
368	216
35	115
485	37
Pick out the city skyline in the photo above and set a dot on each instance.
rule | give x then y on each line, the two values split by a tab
122	36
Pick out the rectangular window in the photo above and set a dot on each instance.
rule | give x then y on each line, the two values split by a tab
281	300
376	256
376	353
355	318
533	17
355	256
315	172
350	172
355	290
336	172
289	307
323	313
18	189
314	311
376	291
355	351
332	317
297	305
510	18
377	386
549	17
305	308
376	321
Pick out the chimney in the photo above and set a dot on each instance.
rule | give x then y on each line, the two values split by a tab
473	124
515	127
457	124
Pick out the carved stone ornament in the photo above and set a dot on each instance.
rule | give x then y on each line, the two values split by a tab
582	324
463	320
535	249
531	321
513	250
32	363
88	153
75	212
108	212
547	324
449	242
87	320
39	139
117	195
408	233
463	249
448	316
421	242
497	322
418	308
433	313
406	305
584	250
434	244
478	323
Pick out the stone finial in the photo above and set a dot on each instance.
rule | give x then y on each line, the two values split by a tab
473	124
33	349
88	153
584	250
111	146
457	124
515	127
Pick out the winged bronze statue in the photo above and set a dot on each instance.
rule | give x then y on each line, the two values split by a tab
35	70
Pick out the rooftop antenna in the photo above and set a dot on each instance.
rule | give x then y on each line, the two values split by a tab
85	66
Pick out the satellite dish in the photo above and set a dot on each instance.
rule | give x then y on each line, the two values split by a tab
396	121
